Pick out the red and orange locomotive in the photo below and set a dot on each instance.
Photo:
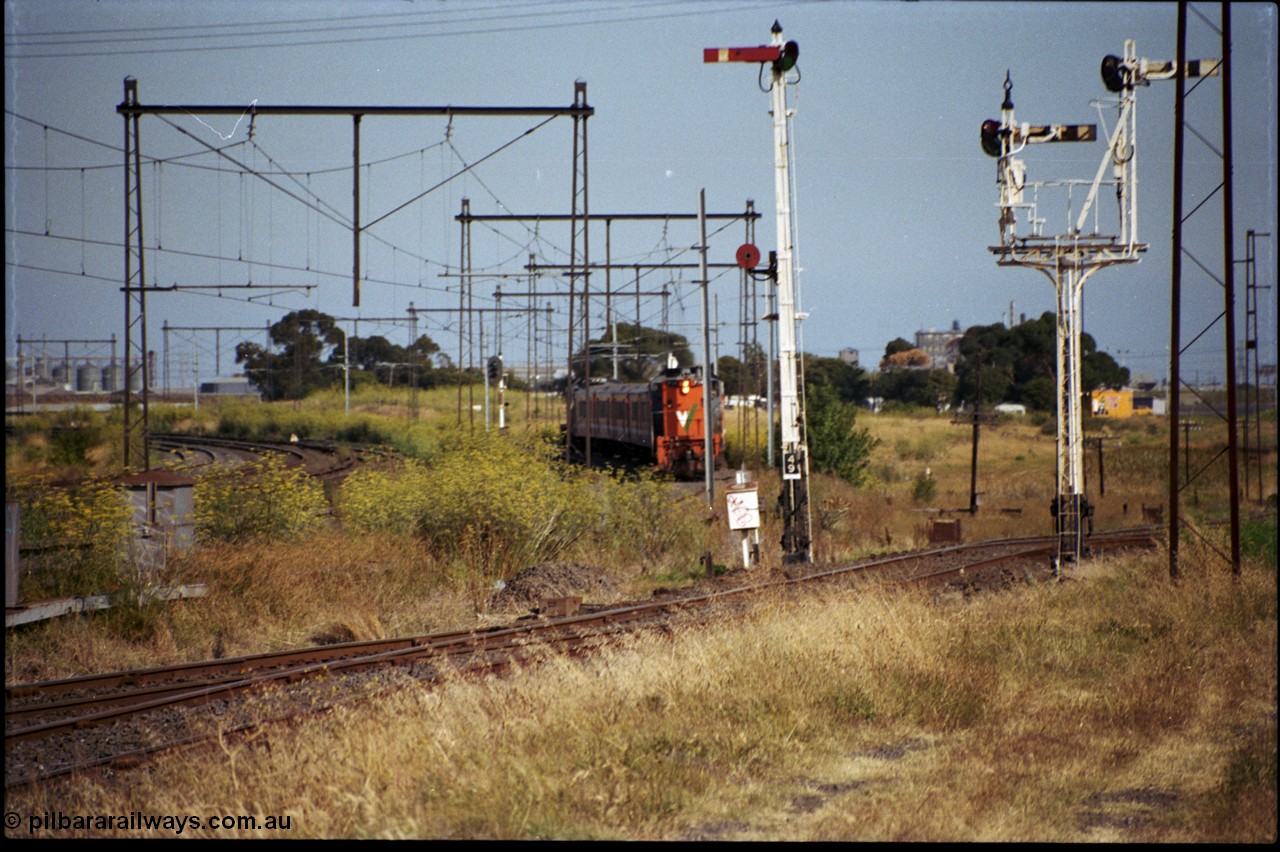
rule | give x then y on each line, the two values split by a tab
663	420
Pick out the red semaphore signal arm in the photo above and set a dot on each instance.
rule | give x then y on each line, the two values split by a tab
763	53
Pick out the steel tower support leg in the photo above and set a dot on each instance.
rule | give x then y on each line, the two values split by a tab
579	259
136	435
464	288
1174	403
1069	503
1229	293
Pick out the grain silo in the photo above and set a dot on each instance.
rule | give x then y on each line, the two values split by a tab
88	378
113	377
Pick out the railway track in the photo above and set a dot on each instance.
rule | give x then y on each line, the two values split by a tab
319	459
59	727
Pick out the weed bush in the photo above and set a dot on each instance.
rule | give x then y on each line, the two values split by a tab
924	489
269	499
77	537
1258	541
495	505
385	500
921	446
498	504
65	443
650	523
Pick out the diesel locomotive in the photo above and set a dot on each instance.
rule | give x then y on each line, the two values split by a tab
662	421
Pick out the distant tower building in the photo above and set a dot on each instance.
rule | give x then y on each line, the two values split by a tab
942	347
849	355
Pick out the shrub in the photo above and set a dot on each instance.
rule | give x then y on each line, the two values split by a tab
499	504
67	442
924	489
70	445
77	537
385	501
652	523
836	446
1258	541
266	499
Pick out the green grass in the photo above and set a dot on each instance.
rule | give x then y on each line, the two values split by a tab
1258	540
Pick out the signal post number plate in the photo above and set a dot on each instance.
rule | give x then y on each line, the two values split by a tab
791	466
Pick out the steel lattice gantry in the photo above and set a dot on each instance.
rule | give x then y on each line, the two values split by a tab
135	425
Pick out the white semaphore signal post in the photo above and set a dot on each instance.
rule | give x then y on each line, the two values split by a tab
797	542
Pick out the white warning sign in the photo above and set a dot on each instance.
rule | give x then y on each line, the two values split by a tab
743	509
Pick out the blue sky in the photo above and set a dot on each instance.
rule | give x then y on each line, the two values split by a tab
894	199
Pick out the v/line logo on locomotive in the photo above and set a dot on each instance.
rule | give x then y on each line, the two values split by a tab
683	416
662	421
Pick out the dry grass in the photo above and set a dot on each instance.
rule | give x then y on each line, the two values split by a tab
262	596
274	594
1015	480
1116	707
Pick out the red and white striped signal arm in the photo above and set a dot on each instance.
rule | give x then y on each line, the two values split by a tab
1157	69
1119	73
1056	133
763	53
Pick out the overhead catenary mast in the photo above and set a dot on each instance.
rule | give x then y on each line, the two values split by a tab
797	542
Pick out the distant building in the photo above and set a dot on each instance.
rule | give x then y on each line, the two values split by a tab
236	386
1143	382
1125	403
849	356
1112	403
942	347
1148	404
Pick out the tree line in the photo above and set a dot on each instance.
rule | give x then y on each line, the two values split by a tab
996	364
308	352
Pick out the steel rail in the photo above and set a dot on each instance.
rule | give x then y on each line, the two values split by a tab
516	643
233	675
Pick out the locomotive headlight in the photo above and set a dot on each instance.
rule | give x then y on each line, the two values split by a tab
684	386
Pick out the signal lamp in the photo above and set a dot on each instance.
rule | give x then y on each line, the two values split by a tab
991	138
1112	73
787	59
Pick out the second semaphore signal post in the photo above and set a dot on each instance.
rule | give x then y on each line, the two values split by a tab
797	540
